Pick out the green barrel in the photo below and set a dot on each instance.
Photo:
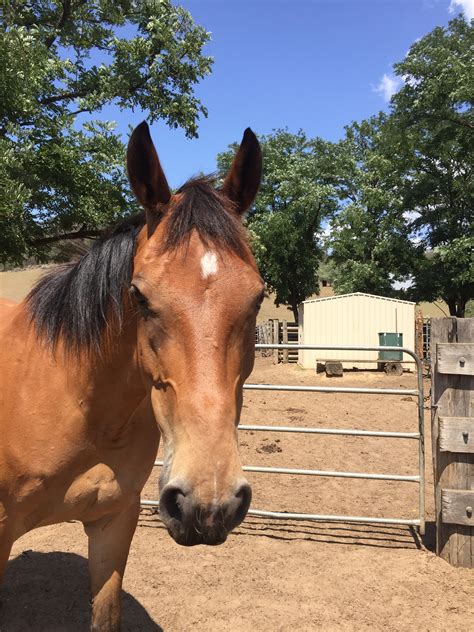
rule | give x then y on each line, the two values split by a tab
389	339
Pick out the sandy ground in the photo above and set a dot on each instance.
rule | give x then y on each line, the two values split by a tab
272	575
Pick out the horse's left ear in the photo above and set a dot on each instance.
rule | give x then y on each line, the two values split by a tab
243	180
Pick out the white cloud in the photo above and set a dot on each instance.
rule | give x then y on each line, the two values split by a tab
388	86
463	6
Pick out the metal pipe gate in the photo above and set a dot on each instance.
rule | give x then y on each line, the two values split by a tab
418	436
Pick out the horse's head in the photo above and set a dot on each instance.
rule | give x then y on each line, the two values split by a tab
198	291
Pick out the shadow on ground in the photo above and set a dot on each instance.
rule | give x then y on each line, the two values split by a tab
429	539
49	592
368	535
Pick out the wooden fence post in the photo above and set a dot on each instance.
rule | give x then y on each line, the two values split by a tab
275	340
419	334
269	340
284	340
452	426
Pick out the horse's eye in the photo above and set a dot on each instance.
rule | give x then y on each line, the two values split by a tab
138	297
260	300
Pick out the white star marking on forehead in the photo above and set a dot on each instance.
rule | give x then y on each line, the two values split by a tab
209	264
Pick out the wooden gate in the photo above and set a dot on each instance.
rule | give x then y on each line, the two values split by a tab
275	331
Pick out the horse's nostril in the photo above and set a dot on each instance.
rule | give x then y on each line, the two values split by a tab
240	505
192	523
171	503
244	493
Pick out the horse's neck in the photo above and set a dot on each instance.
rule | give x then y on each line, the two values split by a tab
85	397
112	383
105	387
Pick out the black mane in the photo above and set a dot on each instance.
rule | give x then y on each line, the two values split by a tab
206	210
77	301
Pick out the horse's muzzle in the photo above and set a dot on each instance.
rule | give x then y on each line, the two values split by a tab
190	523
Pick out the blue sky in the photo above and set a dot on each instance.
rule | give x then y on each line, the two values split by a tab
310	64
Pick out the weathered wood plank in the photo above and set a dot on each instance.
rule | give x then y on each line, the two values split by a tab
451	396
276	339
419	333
455	359
284	339
456	434
457	506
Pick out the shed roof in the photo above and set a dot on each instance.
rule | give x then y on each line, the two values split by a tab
341	296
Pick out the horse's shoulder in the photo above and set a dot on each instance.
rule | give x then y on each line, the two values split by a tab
14	323
8	311
6	304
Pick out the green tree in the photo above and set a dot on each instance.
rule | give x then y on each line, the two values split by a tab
432	126
297	192
430	279
62	176
369	240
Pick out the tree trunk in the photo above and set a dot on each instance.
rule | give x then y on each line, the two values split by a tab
461	307
294	309
451	302
457	306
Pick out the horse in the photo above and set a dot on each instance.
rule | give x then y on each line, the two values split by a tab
149	334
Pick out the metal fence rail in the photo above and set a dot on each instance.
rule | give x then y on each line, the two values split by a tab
330	389
334	431
329	473
419	436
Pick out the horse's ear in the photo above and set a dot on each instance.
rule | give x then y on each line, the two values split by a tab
144	170
243	180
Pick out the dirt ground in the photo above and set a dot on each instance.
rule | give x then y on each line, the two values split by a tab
270	575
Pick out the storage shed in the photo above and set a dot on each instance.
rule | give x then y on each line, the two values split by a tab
353	319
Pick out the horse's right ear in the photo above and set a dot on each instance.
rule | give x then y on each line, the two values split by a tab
243	180
144	170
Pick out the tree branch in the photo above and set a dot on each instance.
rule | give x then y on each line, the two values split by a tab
420	117
61	22
68	9
81	110
83	233
73	94
457	121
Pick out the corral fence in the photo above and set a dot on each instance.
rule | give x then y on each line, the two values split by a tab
426	340
278	332
417	435
283	332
